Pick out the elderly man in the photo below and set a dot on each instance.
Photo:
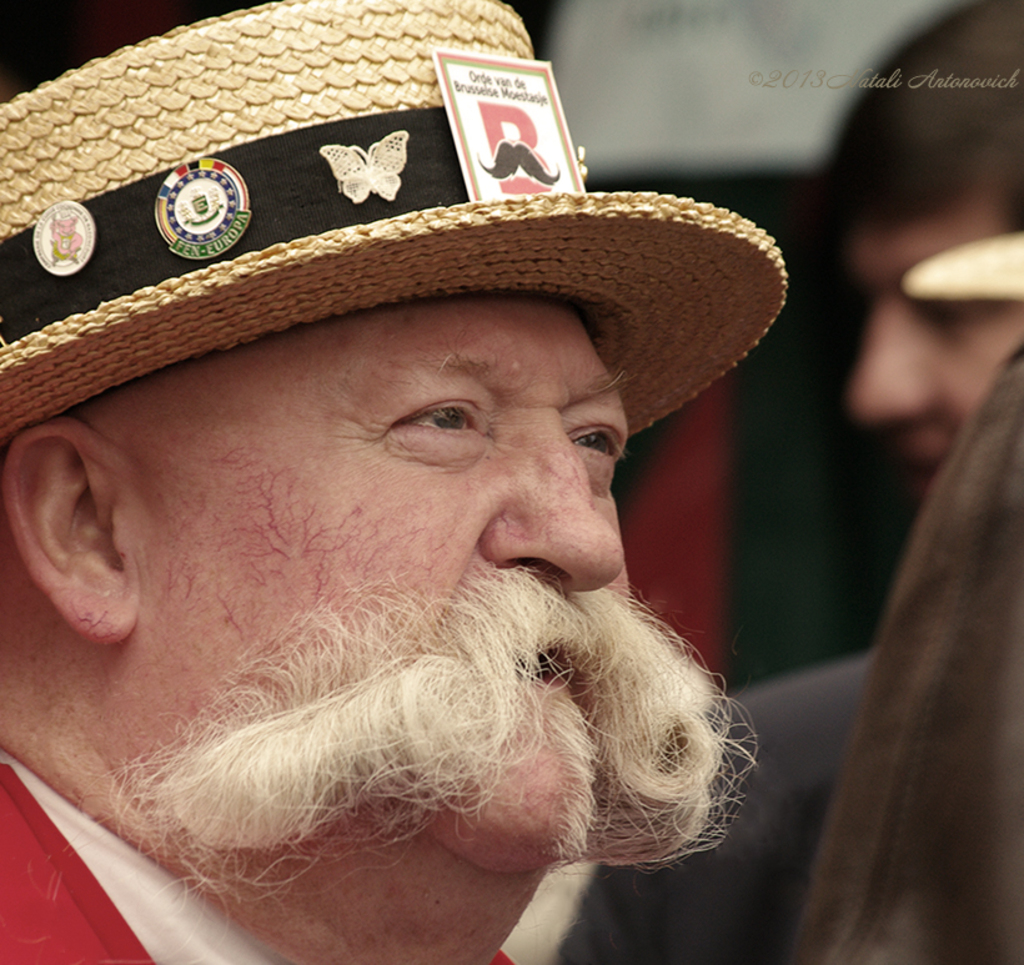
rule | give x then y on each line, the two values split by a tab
315	643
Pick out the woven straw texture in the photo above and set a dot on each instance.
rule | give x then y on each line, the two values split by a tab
675	292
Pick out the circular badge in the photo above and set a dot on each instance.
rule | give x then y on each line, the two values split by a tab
202	208
64	238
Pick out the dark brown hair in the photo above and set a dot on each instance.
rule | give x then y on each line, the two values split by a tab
910	148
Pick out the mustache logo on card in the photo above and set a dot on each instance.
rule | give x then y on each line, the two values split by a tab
511	157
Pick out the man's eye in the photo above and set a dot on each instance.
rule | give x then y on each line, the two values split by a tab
600	441
445	417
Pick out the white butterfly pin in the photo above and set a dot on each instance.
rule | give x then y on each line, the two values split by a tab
359	172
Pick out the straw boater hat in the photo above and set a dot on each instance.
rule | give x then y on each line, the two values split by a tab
989	268
674	292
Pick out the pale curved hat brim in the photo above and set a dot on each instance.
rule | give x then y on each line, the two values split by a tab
989	268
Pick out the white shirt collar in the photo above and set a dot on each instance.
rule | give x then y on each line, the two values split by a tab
173	924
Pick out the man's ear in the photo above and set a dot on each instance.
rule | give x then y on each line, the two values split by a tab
63	485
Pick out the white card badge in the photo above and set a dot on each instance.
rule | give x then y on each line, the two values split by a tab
508	125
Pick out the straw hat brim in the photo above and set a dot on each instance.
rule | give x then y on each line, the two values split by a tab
674	293
989	268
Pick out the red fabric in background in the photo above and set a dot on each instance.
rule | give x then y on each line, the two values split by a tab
676	528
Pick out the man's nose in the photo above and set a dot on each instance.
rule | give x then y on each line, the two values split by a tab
892	378
549	519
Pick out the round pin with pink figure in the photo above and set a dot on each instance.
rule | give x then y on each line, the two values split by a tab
64	238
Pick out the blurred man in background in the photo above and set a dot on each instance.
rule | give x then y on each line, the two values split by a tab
919	168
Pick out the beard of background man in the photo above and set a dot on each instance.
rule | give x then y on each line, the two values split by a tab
366	729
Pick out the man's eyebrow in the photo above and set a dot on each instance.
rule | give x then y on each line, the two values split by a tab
453	362
460	363
603	384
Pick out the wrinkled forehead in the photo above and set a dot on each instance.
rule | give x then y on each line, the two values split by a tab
505	337
508	343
